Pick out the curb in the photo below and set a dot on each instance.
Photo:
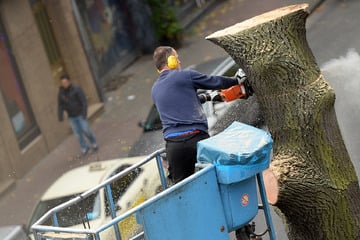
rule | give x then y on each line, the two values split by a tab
191	19
6	186
188	22
315	6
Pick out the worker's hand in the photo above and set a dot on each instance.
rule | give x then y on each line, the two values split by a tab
240	76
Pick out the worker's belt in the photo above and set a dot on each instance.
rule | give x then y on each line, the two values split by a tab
182	134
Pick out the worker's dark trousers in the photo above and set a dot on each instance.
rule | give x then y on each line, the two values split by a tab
181	155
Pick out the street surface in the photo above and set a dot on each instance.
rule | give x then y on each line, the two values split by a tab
332	32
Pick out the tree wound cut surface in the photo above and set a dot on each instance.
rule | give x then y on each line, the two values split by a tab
260	19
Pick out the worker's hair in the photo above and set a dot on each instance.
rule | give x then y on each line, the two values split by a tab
161	55
65	76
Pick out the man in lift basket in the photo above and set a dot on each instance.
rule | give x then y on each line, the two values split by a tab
182	116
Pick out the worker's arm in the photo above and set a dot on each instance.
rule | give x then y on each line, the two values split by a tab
202	81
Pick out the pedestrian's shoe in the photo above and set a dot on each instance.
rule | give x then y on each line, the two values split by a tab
85	151
95	147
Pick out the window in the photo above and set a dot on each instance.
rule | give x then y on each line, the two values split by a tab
14	96
109	28
47	35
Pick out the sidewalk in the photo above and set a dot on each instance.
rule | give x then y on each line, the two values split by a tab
117	128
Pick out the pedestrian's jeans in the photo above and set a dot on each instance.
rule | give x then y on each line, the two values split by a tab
81	128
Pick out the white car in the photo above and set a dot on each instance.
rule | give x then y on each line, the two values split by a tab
128	191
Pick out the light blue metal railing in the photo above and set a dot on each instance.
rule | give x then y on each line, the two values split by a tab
39	229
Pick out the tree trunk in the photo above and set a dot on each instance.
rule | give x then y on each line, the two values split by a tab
319	192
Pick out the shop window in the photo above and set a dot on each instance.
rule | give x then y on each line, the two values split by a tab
108	26
14	96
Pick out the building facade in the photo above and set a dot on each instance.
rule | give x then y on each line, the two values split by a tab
39	40
91	40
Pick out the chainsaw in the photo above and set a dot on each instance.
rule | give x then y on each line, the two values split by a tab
243	90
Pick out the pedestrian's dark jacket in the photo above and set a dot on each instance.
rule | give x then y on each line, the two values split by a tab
175	96
73	101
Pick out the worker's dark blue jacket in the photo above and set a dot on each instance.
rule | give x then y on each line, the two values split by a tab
73	101
175	96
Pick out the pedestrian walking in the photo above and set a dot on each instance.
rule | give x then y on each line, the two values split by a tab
72	100
182	116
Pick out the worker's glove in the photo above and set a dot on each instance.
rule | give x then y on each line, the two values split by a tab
240	76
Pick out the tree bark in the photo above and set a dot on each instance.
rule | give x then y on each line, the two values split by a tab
319	191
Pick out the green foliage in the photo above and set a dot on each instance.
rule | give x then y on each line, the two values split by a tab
167	27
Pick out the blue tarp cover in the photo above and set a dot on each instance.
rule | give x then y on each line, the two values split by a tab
239	152
239	144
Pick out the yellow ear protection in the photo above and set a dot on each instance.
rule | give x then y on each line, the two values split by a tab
172	62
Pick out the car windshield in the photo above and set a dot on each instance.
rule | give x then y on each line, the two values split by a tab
121	185
87	209
153	121
207	67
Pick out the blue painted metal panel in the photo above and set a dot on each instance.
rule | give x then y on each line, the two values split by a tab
240	153
191	209
240	202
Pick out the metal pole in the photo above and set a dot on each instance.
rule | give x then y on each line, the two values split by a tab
55	220
140	236
36	235
161	171
112	210
265	206
97	236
